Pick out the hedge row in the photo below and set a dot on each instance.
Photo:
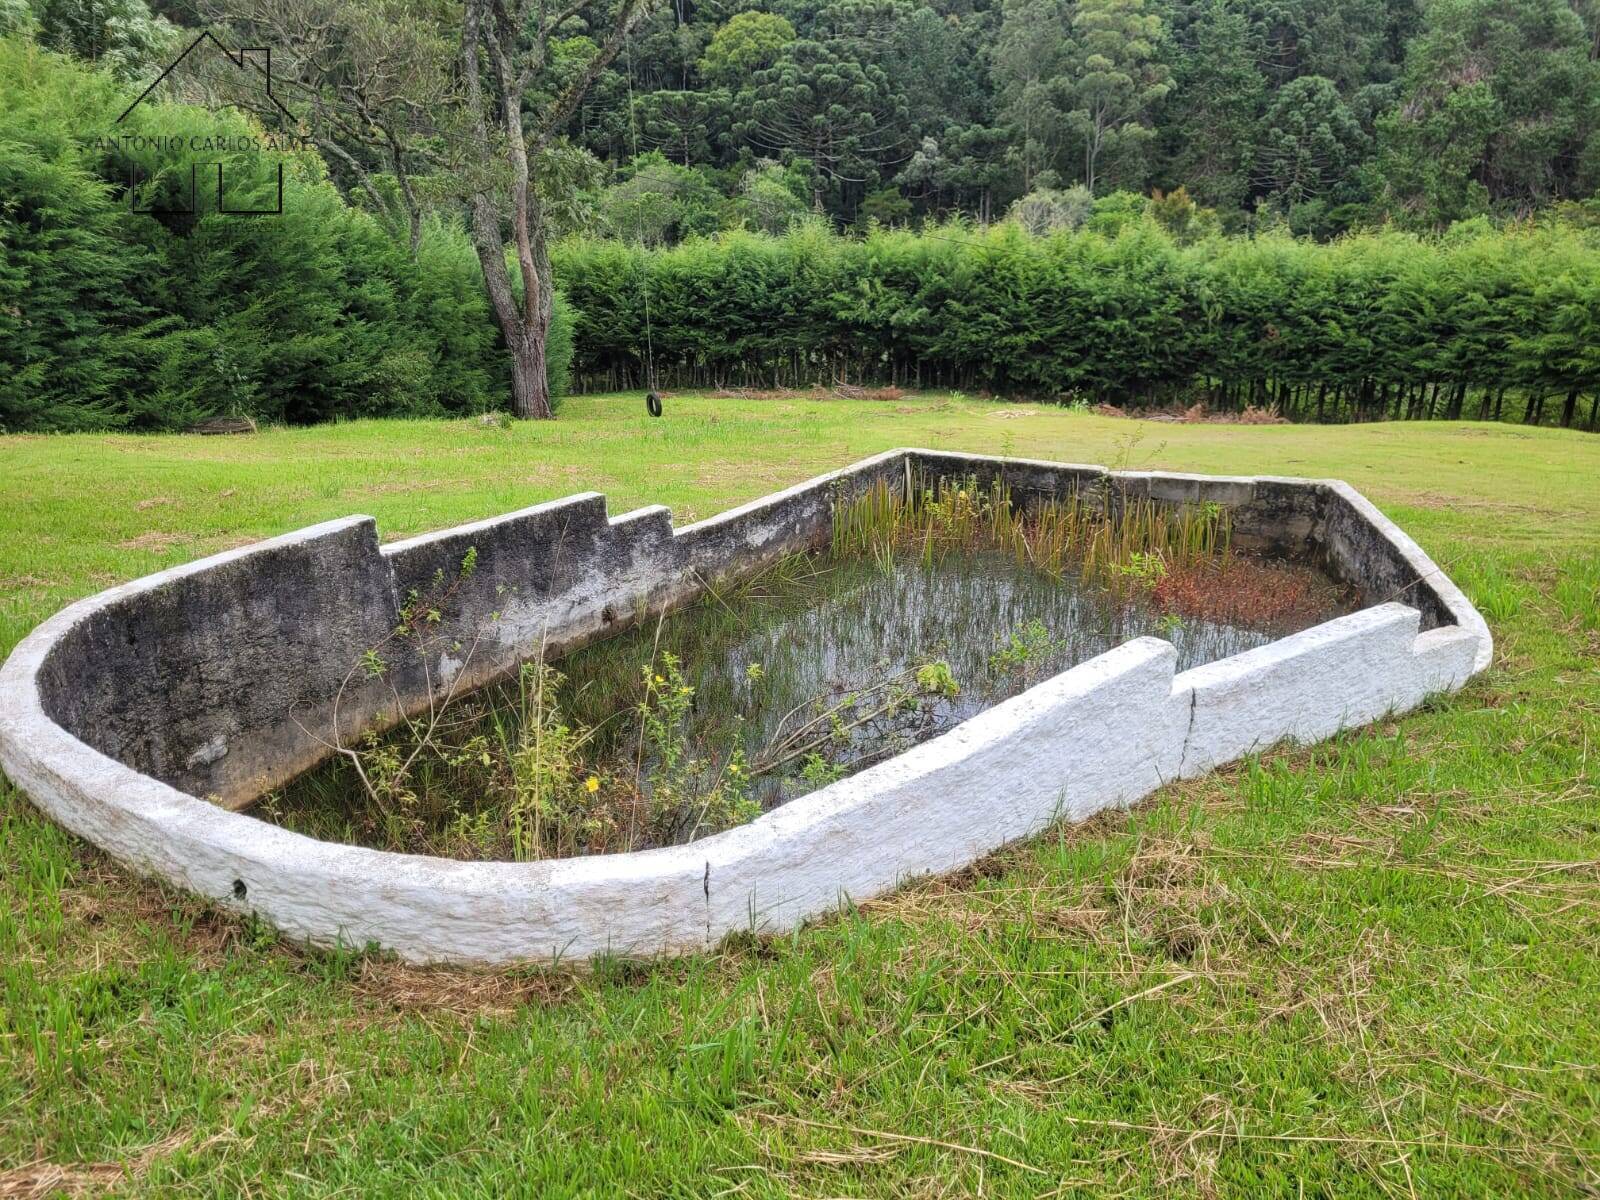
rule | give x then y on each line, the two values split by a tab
1380	324
112	318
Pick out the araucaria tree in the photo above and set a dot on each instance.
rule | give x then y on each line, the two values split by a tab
829	103
451	102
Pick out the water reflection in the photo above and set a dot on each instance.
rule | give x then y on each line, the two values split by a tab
847	639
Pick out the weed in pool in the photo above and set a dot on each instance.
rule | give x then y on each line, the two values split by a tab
1106	541
689	792
1236	590
550	802
816	771
936	678
1144	569
1024	647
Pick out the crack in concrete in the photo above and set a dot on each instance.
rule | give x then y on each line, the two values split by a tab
1183	757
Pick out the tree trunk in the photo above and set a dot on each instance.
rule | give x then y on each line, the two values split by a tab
1091	153
524	332
530	386
1570	409
524	322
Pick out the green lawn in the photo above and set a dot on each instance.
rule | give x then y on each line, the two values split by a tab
1368	968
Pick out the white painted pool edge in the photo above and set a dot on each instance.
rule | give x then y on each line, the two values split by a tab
1103	734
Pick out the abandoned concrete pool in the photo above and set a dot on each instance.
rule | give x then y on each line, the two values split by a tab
145	718
928	605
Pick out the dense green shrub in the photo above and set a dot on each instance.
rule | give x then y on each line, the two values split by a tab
110	318
1386	323
72	328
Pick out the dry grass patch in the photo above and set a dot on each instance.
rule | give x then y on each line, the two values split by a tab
40	1179
156	541
400	988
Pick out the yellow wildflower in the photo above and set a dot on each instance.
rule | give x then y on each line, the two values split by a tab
592	784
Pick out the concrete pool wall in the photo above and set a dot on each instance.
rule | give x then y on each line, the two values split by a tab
140	717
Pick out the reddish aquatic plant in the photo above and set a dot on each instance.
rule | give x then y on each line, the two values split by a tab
1239	589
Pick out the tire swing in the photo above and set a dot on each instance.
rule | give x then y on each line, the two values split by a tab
652	396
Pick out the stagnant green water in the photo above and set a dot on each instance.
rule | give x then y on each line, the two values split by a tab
768	659
759	694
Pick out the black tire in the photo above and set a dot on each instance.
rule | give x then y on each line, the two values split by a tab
652	401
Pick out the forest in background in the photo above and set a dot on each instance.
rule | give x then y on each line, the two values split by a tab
1348	210
1321	115
1315	115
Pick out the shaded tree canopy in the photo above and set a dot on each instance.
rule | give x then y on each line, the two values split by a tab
1326	115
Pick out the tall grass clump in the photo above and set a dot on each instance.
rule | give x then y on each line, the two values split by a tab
1106	537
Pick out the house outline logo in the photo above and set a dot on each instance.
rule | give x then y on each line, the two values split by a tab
244	59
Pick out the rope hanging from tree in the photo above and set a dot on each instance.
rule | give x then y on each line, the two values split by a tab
652	398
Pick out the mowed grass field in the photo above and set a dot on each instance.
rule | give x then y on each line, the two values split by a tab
1367	968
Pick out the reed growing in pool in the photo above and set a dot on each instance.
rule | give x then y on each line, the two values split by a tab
934	517
928	605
